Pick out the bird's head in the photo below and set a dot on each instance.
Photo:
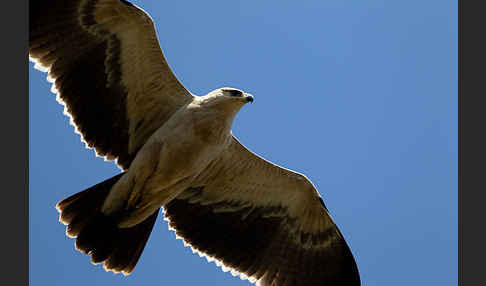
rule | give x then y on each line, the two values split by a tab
227	98
230	95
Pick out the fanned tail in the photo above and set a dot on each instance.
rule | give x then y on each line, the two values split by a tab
98	234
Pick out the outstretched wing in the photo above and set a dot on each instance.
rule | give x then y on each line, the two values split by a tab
264	222
107	68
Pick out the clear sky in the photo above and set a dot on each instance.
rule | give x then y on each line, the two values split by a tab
361	96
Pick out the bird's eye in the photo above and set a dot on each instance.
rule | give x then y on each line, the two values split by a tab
234	92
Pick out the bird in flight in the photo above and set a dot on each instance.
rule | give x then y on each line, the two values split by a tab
177	152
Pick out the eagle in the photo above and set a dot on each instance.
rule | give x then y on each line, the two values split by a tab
176	151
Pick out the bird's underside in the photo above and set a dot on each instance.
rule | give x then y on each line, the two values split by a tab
261	221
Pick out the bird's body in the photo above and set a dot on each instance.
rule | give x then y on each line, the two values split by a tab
173	157
176	150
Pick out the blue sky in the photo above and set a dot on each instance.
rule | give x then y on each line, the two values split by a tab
361	96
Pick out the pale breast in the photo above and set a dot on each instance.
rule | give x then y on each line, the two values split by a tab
190	141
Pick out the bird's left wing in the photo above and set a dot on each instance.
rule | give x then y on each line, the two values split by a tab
262	221
107	68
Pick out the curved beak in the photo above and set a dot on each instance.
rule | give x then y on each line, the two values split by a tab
248	97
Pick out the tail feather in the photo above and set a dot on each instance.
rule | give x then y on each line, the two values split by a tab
99	235
126	255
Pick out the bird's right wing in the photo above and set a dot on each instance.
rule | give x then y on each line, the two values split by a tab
264	222
107	68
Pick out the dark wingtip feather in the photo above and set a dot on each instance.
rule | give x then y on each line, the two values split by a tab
75	59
